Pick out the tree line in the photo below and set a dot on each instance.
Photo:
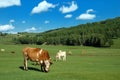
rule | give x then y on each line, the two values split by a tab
98	34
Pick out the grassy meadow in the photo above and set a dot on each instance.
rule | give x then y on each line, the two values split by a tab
85	63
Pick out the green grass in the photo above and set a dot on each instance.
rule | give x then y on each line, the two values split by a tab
94	64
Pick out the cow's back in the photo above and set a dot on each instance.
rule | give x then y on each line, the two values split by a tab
36	54
31	53
44	55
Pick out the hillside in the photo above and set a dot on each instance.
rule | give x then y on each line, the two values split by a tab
98	34
91	34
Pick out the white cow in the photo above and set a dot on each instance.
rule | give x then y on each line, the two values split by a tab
2	50
61	55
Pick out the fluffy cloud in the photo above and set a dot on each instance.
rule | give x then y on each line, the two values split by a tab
8	3
68	16
31	29
89	10
42	7
87	15
6	27
71	8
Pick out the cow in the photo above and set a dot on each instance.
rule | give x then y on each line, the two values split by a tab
69	53
37	55
2	50
61	54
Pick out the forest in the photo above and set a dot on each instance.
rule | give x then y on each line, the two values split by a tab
97	34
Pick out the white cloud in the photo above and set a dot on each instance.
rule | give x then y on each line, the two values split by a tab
8	3
42	7
87	15
6	27
89	10
71	8
46	22
31	29
68	16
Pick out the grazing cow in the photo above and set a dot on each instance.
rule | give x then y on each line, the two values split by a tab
69	53
61	54
2	50
37	55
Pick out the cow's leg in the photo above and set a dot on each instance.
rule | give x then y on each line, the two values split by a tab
64	58
36	63
42	65
25	63
59	57
56	58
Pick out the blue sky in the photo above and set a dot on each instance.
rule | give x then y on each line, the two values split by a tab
42	15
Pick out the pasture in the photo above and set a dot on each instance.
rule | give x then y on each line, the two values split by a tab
85	63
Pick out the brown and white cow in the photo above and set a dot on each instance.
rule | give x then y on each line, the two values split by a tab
37	55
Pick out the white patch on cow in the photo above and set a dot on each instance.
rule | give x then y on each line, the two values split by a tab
41	61
40	51
47	63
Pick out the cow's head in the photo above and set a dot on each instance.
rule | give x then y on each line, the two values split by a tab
47	64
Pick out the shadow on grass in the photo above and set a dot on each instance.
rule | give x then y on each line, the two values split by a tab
30	68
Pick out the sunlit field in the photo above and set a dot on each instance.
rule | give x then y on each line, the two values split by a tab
87	30
85	63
